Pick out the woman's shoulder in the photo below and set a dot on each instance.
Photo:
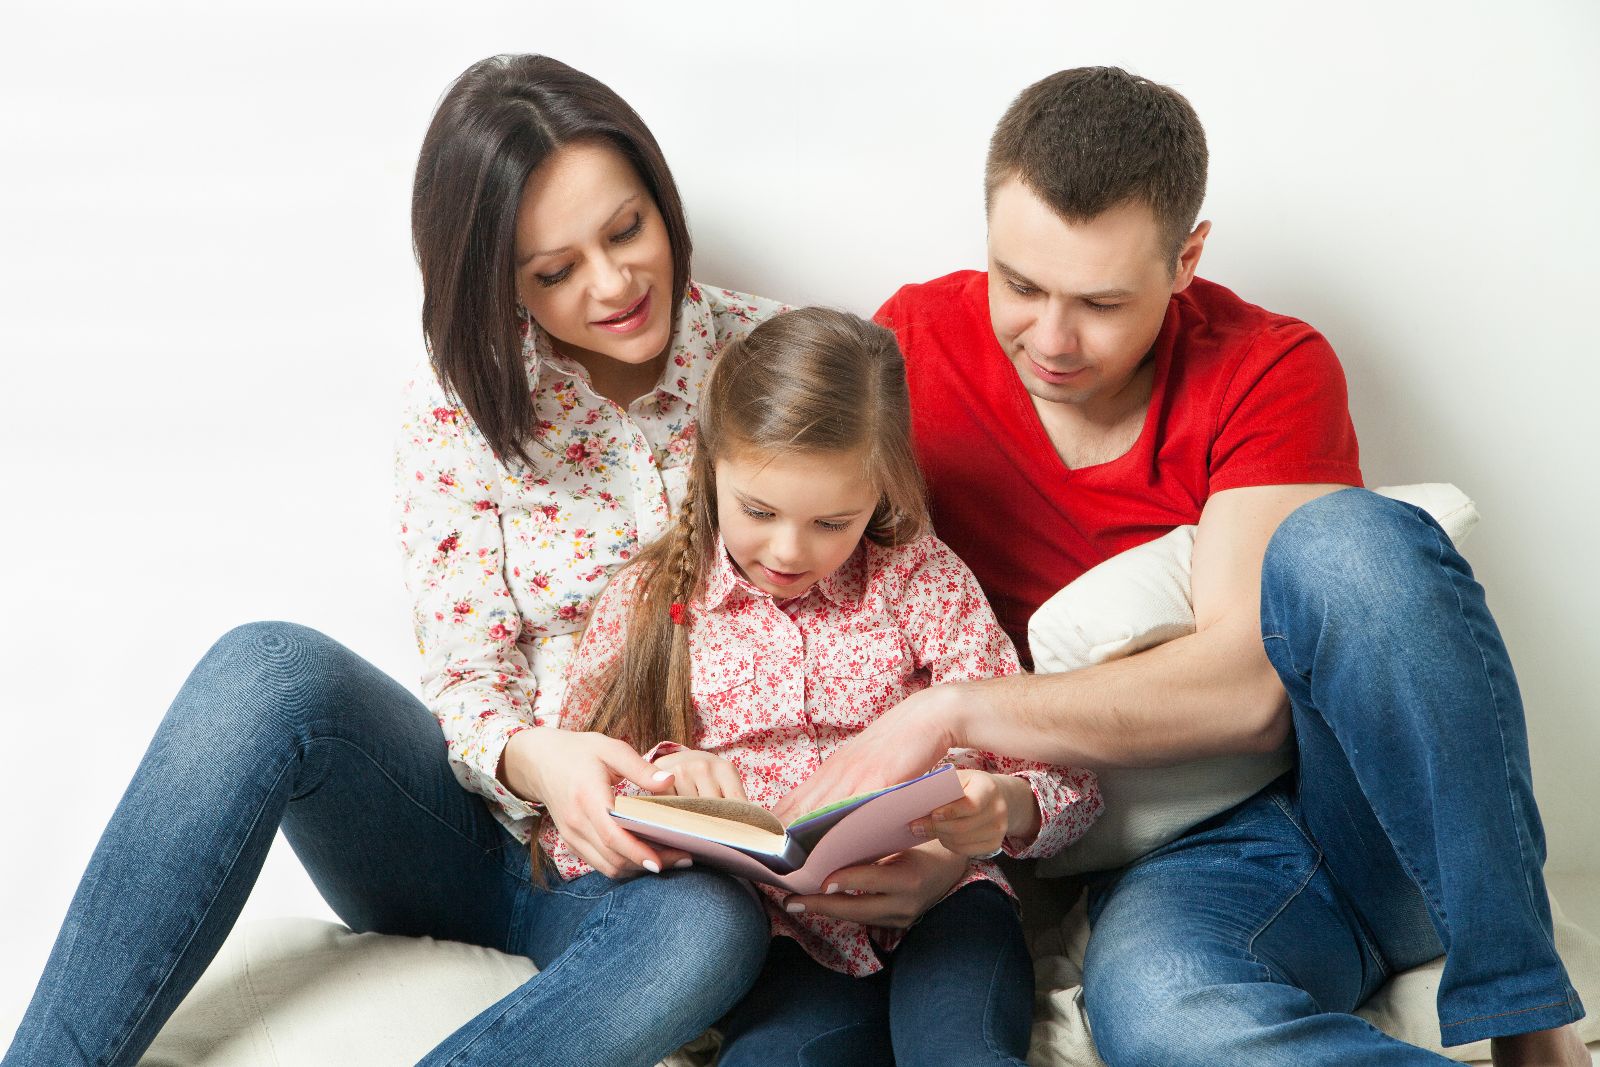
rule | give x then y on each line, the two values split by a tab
733	314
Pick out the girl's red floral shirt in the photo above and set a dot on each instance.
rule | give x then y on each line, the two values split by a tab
504	560
778	687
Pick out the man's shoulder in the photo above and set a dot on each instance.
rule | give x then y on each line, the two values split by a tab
1216	316
940	300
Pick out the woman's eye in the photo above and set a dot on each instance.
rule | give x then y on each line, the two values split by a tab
557	278
833	526
630	233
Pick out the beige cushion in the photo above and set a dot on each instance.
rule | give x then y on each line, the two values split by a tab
1137	600
307	993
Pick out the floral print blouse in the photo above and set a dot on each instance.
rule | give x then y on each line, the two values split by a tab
779	686
503	561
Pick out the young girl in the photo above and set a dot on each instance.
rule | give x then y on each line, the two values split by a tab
797	597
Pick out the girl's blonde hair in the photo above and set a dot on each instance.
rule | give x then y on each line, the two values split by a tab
808	381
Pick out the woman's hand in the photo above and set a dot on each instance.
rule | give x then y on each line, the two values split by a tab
574	774
996	806
700	774
894	892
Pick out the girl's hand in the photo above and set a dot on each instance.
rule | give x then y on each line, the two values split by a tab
700	774
893	892
997	806
574	774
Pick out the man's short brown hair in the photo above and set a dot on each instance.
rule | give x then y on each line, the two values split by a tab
1092	138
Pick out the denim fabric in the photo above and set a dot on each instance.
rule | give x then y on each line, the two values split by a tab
1408	829
958	990
279	725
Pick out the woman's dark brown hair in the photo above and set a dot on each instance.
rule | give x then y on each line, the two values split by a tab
498	122
806	382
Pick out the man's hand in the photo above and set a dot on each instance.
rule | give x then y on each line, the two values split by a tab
701	774
894	892
574	774
996	806
905	741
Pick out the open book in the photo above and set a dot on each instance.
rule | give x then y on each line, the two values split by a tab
748	840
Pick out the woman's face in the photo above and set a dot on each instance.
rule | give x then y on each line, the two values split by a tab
593	261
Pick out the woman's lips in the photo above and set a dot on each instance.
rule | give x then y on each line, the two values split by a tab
780	577
631	319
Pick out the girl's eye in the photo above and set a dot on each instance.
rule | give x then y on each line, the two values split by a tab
753	513
833	526
547	280
630	233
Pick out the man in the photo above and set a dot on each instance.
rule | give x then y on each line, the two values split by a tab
1089	393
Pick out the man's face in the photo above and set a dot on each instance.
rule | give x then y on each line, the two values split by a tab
1076	306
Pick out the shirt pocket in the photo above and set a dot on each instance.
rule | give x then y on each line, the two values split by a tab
854	678
722	684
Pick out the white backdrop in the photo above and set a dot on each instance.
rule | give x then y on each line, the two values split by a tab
208	302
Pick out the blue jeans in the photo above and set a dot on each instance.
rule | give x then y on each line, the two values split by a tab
1407	830
958	990
279	726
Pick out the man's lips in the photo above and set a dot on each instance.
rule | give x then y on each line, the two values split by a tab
1054	377
630	318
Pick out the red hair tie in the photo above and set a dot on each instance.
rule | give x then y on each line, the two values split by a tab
679	615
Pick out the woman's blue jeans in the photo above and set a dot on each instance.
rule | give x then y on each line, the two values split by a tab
1407	830
280	726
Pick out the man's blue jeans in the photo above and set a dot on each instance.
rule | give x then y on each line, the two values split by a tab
1407	830
278	725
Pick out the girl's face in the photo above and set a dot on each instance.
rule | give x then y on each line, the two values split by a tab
790	521
593	261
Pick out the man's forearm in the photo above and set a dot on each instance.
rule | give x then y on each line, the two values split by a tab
1209	694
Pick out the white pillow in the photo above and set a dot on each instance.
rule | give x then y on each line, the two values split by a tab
1134	601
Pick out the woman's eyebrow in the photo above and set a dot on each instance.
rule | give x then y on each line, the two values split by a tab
523	260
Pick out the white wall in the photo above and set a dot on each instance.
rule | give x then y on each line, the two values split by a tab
207	300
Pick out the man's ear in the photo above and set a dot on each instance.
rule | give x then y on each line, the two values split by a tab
1189	257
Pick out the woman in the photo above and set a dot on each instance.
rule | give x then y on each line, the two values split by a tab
546	441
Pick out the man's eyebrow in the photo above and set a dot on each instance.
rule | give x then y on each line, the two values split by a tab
1114	293
523	260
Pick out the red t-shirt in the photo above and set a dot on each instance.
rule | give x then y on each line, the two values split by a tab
1241	397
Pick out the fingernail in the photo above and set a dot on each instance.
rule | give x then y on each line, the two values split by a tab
662	776
794	907
833	887
685	862
652	866
919	829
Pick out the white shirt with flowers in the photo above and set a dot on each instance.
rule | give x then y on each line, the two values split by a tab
503	561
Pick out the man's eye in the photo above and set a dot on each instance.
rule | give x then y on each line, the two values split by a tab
1094	306
557	278
1021	290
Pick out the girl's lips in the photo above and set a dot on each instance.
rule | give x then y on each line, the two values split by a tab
780	577
631	319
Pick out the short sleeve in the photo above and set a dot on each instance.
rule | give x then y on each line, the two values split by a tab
1284	416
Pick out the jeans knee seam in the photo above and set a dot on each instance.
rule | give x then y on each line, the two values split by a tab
173	957
526	989
403	791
